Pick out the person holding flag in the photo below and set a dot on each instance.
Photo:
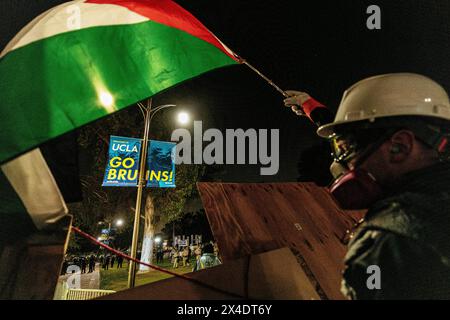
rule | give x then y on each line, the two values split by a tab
390	139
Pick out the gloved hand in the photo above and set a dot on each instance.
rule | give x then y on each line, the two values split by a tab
296	100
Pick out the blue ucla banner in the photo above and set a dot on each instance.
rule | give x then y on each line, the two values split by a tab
161	165
123	162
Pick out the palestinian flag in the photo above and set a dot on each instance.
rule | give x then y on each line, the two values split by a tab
79	62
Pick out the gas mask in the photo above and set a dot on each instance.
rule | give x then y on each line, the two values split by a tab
354	189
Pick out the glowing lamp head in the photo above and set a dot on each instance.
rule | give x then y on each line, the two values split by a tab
158	240
183	118
119	223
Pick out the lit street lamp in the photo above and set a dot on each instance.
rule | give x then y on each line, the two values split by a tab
106	235
148	113
183	118
117	223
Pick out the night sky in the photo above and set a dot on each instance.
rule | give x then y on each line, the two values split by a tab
321	47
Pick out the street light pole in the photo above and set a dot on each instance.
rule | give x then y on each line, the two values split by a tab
141	182
148	114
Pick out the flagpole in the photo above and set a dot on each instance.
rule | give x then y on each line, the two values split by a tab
270	82
141	185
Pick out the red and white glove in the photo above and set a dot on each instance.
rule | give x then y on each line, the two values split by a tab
296	100
301	103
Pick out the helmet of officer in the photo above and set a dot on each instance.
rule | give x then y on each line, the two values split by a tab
395	96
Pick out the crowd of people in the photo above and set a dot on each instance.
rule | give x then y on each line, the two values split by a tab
87	263
109	260
206	256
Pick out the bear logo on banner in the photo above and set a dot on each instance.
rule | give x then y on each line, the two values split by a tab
161	165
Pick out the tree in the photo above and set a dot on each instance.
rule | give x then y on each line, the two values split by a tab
161	205
165	205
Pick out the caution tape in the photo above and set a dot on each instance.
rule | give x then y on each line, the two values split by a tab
129	258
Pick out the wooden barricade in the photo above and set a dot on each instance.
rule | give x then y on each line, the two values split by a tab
249	218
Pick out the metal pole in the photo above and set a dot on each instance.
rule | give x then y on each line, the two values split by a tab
270	82
137	214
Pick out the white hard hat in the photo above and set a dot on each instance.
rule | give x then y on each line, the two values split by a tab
390	95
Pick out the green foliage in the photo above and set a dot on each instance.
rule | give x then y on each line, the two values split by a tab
106	204
169	203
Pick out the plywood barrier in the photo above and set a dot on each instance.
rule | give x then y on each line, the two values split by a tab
249	218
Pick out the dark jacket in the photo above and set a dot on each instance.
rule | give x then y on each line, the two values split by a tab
407	235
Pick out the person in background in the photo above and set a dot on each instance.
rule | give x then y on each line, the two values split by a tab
174	258
83	263
189	254
198	253
119	262
76	261
216	249
91	263
185	255
107	261
113	259
208	258
160	255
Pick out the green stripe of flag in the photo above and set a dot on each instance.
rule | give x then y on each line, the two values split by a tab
55	85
